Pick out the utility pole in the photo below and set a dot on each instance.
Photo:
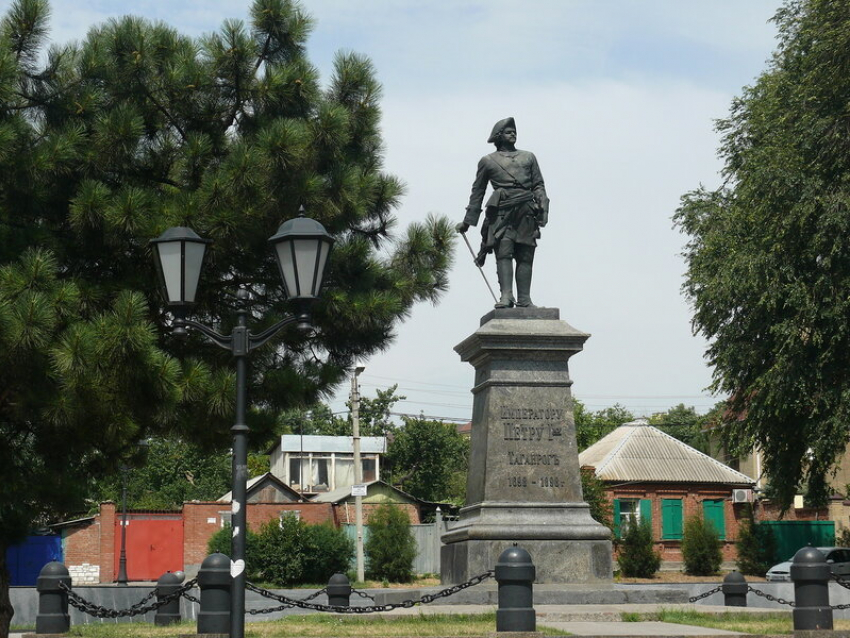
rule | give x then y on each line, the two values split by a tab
358	470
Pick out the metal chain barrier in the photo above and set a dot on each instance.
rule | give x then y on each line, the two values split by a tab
362	594
78	602
368	609
710	592
773	599
271	610
776	599
191	598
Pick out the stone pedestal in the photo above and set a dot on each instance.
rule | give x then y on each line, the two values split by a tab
524	484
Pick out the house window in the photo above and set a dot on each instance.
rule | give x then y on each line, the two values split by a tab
225	518
295	472
320	473
713	512
671	519
370	470
627	510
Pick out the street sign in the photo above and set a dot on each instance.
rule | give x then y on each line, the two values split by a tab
358	490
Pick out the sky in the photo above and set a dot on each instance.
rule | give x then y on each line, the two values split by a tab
617	99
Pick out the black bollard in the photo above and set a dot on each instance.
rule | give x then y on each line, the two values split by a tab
169	613
515	574
339	591
52	615
215	583
735	590
811	575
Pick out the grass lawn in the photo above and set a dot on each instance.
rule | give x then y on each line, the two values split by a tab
321	625
731	621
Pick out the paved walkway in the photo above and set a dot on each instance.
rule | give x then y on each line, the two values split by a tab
601	620
592	620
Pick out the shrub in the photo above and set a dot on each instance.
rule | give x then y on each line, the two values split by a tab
390	548
281	551
291	552
330	551
701	547
219	543
638	556
756	548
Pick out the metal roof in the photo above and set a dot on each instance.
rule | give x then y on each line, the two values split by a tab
638	452
252	482
343	444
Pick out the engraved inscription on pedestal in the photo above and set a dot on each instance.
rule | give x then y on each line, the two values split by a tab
524	483
535	447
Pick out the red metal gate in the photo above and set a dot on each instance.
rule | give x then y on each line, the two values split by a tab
154	545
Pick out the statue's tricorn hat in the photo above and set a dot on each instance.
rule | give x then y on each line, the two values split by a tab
499	127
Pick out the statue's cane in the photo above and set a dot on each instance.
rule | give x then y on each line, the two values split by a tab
480	269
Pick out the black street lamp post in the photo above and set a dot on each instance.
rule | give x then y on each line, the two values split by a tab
301	246
122	561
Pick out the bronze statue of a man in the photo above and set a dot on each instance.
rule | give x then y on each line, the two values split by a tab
516	211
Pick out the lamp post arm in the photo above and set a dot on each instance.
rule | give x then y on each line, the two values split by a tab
220	340
255	341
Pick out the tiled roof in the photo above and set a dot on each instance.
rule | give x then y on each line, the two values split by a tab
638	452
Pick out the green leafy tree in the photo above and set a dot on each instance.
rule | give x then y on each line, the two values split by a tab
173	471
104	144
429	459
756	548
637	555
768	263
701	547
320	419
593	491
390	548
685	424
592	426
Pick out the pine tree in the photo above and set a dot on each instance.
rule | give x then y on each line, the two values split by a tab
637	555
103	145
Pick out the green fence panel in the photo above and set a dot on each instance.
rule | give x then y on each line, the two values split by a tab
791	536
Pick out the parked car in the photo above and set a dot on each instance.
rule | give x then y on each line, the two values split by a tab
837	557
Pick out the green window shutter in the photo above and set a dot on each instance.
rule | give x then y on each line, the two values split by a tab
616	518
713	512
671	518
646	511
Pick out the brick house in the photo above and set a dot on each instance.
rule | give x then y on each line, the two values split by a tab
650	475
378	493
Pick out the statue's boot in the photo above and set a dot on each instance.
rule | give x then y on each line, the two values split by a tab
523	285
505	273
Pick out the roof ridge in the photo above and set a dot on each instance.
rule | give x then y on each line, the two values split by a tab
701	454
608	457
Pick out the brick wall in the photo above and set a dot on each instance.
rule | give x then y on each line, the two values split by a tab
203	519
82	553
345	512
108	568
692	497
90	548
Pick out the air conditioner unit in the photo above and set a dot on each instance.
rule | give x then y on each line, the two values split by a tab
742	496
